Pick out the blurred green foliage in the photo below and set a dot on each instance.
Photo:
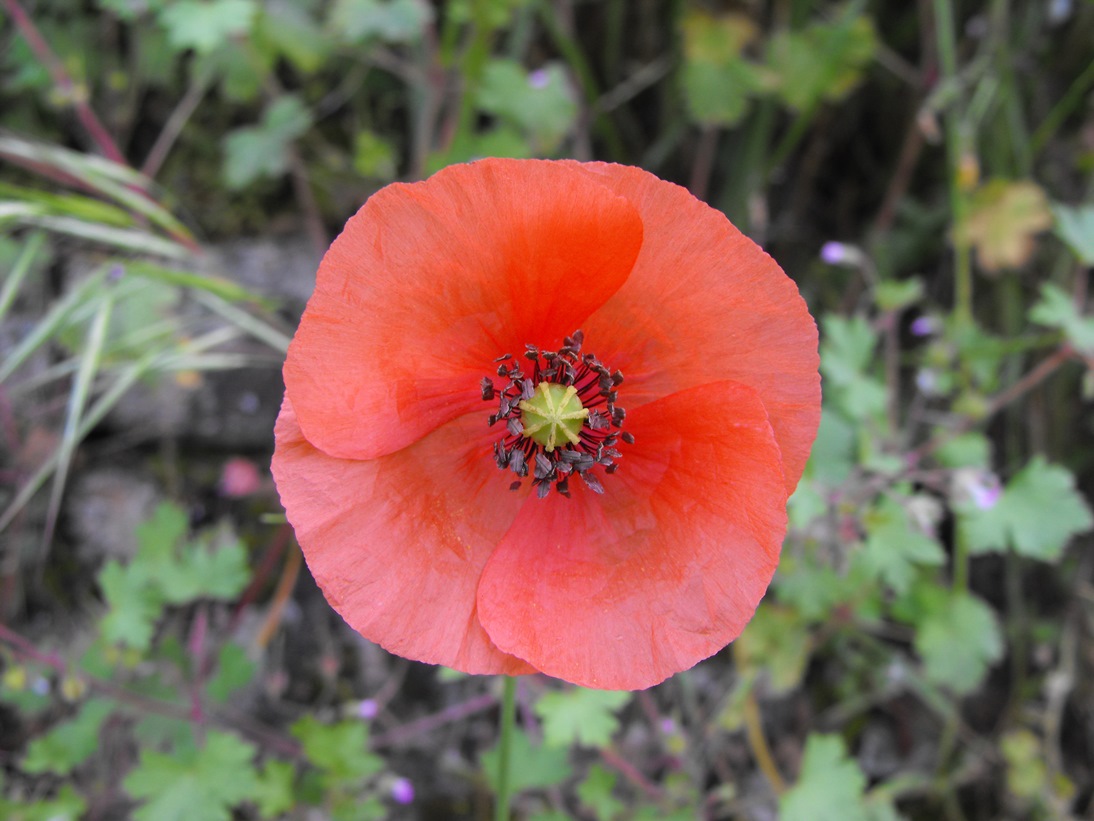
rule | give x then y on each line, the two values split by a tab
925	172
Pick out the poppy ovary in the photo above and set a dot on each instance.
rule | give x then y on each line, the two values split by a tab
553	415
560	419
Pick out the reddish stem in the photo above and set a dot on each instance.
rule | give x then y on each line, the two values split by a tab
65	86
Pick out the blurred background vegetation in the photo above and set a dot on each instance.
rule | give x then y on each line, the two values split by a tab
171	172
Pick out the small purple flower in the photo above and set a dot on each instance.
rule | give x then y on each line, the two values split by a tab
985	495
539	78
668	726
842	253
977	485
924	326
833	252
367	708
402	791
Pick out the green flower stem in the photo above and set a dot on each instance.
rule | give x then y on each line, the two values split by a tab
505	746
947	55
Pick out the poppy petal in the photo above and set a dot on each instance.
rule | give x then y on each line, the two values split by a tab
664	569
397	544
430	281
726	312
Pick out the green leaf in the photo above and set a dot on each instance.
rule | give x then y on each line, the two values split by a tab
895	547
67	805
1057	310
539	103
958	638
234	670
373	156
530	767
263	151
1075	226
966	450
776	641
273	791
595	792
1004	218
163	530
580	716
717	80
69	743
393	21
1037	514
822	62
205	25
340	750
134	606
847	352
286	28
1027	776
207	568
200	783
830	787
894	295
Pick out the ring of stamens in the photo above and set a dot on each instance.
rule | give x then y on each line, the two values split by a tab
561	418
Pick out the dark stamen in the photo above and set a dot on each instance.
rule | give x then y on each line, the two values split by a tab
596	389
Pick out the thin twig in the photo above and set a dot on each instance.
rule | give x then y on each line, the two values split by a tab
173	127
66	88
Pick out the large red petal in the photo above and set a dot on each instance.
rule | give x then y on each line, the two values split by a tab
621	591
397	544
705	302
429	282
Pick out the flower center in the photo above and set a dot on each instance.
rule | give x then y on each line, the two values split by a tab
560	419
553	414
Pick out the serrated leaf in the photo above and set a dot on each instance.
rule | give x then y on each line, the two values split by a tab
234	670
69	743
847	350
201	783
288	29
340	749
1057	310
531	767
164	529
273	792
134	606
1004	218
205	569
958	638
1037	514
540	103
830	787
263	151
205	25
393	21
580	716
822	62
895	547
595	792
717	80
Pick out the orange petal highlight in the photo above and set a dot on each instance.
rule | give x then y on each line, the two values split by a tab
704	302
429	282
623	590
397	544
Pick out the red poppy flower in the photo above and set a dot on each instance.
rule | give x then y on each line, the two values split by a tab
637	542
